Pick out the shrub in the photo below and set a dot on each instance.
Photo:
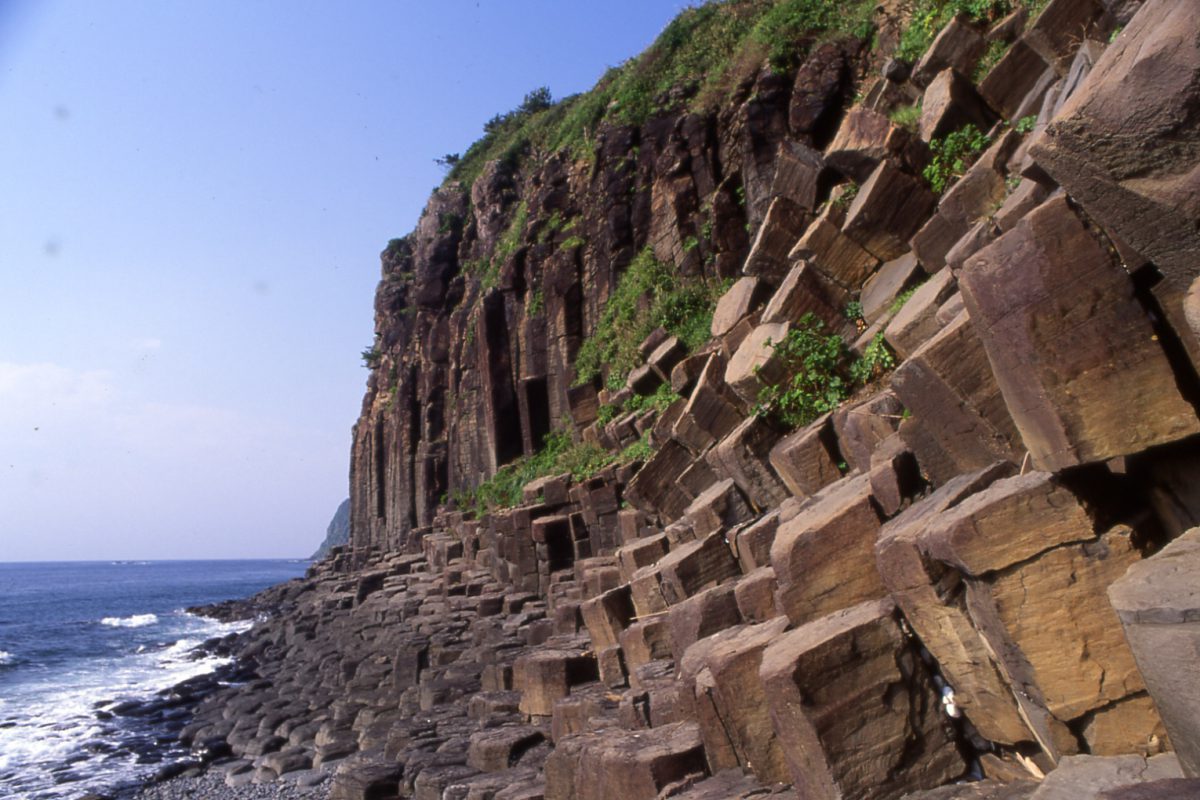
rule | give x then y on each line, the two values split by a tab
930	16
371	357
952	155
648	295
823	372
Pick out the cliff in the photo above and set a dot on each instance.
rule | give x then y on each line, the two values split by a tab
337	533
809	409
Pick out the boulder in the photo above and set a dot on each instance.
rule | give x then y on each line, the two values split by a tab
1074	354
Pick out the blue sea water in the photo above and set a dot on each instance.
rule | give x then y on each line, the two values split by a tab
76	634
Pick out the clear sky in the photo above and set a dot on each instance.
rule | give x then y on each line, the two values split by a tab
195	194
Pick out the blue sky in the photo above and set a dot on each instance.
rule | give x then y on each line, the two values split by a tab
195	197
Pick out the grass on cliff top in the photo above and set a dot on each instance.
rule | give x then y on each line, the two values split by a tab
648	295
707	50
930	16
558	455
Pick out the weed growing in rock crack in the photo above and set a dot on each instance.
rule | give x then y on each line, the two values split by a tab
903	298
648	295
1026	124
908	117
952	155
823	370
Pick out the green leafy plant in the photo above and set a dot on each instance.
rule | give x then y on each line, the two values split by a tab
819	363
1026	124
930	16
876	360
572	241
823	372
849	192
536	303
952	155
649	294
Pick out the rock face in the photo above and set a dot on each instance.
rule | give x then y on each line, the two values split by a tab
338	532
970	560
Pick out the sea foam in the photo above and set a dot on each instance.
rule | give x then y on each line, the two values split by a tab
5	657
136	621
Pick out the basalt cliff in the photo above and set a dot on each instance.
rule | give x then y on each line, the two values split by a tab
809	410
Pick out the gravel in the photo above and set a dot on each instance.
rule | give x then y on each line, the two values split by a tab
211	786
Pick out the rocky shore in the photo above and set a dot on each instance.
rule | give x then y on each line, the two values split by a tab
968	574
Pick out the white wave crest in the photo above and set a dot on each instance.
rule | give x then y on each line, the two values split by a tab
5	657
136	621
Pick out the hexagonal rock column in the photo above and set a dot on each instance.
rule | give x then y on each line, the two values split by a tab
1075	356
623	765
854	710
1158	602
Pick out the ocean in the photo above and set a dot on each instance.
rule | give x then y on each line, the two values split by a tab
77	636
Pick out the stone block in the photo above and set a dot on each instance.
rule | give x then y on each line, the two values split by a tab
1074	354
544	676
695	566
1137	182
889	208
656	488
916	321
701	616
957	46
1091	777
861	427
823	557
807	460
752	542
838	257
742	298
755	595
959	421
733	686
742	457
882	288
867	137
718	508
664	358
644	641
1015	75
709	414
921	586
637	554
849	720
623	765
1057	32
755	363
798	170
950	103
1158	602
806	290
607	615
782	226
1129	725
497	749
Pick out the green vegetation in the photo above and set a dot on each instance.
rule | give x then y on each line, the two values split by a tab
930	16
648	295
558	455
662	397
536	303
707	51
824	372
990	58
903	298
907	116
849	192
952	155
372	357
1026	124
487	271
